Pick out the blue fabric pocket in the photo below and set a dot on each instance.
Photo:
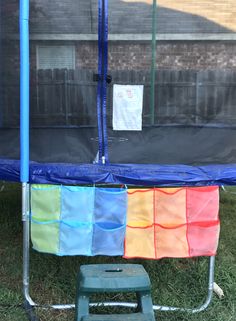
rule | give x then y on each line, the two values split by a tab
75	239
110	205
108	239
77	203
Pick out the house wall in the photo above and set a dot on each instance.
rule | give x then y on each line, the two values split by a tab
80	17
174	55
130	56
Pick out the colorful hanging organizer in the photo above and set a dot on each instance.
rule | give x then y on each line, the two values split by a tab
146	223
173	222
72	220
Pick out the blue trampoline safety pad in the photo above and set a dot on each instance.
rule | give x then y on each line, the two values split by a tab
130	174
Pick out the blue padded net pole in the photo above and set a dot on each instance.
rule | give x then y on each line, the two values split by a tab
24	142
99	87
102	82
104	78
24	89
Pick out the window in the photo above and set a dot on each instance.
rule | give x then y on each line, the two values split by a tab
53	57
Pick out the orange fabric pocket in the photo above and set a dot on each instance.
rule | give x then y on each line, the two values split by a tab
139	243
171	242
170	207
140	208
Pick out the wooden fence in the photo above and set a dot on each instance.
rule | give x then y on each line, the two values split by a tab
68	97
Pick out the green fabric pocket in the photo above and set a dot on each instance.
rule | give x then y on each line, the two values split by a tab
45	203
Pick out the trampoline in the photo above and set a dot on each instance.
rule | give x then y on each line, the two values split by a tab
186	131
104	113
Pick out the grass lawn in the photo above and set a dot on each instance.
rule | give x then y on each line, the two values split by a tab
174	281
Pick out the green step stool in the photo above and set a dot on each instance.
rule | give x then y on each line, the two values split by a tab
101	278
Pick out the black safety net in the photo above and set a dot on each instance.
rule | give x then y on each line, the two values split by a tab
170	83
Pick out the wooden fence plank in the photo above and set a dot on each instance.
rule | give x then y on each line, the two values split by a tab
68	97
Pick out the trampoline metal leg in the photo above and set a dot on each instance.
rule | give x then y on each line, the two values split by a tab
28	304
205	305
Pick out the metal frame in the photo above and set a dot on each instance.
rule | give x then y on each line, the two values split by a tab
29	304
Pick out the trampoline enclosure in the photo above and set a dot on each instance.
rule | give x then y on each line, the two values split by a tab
110	103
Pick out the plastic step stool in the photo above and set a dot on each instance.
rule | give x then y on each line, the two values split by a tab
100	278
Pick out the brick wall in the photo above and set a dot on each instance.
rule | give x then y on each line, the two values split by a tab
170	55
10	58
221	12
197	55
127	56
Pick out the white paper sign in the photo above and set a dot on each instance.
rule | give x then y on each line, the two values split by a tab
127	107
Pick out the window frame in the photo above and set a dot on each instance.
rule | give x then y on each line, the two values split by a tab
72	46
